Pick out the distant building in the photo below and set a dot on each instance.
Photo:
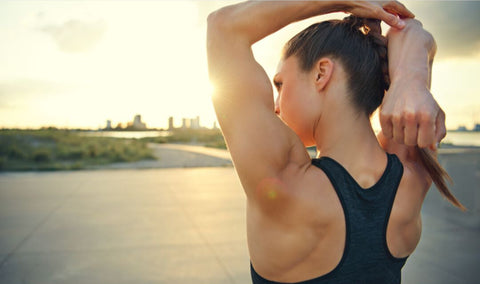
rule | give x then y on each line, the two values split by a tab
195	123
184	123
137	123
476	127
462	128
187	123
109	125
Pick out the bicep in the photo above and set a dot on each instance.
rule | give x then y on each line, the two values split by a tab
261	145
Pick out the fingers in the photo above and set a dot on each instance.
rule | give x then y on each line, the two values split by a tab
426	132
390	12
411	130
386	124
398	8
440	129
391	19
421	130
398	130
393	12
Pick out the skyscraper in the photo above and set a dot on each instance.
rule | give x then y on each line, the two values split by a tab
170	123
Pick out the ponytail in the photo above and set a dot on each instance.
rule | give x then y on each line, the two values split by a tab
359	44
372	30
438	175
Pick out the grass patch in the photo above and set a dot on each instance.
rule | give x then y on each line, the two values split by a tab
52	149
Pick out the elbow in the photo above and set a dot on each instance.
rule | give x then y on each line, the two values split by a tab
229	21
219	21
217	29
213	20
213	24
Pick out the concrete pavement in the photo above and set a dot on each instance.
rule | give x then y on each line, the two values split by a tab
124	226
186	226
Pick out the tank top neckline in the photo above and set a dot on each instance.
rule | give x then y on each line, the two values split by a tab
369	190
370	197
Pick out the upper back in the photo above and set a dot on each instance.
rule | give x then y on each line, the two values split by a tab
335	227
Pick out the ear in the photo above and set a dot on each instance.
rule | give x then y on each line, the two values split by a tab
323	71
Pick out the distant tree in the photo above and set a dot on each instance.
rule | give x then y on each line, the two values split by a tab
119	126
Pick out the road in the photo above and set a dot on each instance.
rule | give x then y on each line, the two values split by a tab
185	225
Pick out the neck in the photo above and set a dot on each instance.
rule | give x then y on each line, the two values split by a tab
348	138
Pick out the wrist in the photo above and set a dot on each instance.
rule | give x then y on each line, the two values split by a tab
410	75
407	85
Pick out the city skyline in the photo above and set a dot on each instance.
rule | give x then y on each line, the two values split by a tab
71	64
139	124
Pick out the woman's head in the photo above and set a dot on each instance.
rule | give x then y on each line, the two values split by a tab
358	45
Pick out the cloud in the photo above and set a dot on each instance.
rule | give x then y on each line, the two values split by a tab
454	25
75	35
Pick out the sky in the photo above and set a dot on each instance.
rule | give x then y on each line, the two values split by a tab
77	64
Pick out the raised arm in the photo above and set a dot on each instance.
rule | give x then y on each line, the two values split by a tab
261	145
409	114
411	119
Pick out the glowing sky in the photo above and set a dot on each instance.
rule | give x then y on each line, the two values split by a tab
79	63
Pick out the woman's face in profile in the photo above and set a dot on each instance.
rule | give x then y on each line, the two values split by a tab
297	102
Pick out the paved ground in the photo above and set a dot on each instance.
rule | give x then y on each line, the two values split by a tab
179	156
186	226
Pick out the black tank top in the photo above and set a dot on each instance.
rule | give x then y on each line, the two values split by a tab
366	258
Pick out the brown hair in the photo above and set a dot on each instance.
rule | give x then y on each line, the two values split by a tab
362	50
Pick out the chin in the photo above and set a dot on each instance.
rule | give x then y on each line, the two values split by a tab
308	142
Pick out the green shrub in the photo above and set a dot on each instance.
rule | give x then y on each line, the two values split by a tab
42	155
15	152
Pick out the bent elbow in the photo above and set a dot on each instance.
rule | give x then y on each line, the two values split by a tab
219	21
213	19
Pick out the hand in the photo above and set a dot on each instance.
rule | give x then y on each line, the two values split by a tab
390	12
410	115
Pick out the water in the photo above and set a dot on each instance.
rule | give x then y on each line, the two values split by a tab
453	137
462	138
128	134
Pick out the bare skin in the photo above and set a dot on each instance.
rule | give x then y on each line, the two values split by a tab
295	222
409	115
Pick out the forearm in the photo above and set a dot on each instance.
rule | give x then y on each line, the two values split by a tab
255	20
410	54
233	29
409	114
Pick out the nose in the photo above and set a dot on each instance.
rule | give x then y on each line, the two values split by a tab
277	106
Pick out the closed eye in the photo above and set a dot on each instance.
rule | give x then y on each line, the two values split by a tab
278	85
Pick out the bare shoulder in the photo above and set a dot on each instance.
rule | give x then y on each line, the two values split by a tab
298	193
293	229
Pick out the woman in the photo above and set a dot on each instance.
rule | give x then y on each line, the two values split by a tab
353	214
